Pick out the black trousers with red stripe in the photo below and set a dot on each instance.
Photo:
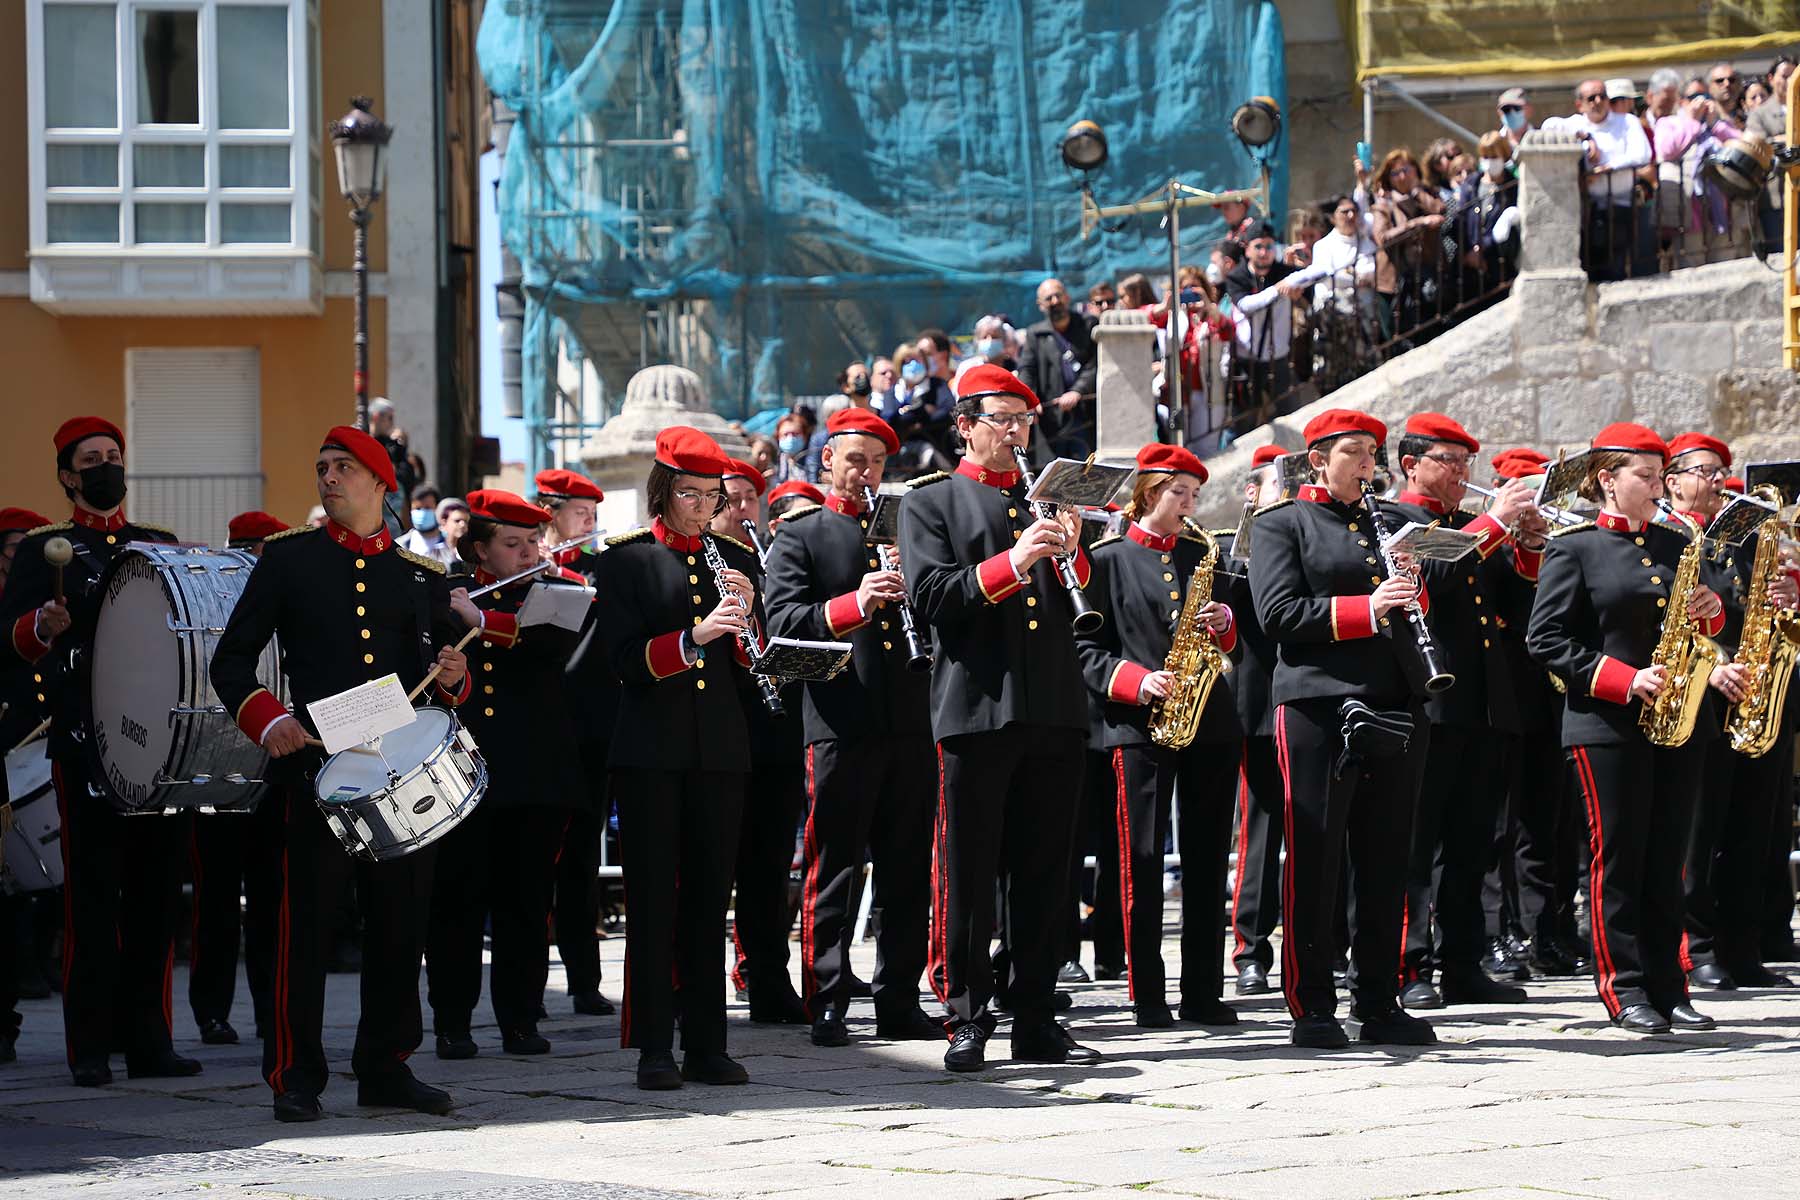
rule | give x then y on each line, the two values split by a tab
1096	833
876	795
774	803
1256	893
236	863
495	870
1146	780
578	895
679	835
1639	802
1008	801
10	956
121	895
1728	843
1536	827
1452	846
1360	819
395	899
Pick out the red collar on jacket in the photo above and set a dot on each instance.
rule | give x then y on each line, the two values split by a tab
565	557
842	504
1617	523
88	519
673	540
1318	493
356	543
1421	500
1144	537
980	474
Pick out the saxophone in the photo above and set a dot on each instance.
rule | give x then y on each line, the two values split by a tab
1768	648
1195	661
1687	656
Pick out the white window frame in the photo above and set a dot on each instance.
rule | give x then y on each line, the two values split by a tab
210	276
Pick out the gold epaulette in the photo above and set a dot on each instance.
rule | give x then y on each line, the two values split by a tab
1108	540
630	535
726	537
1556	533
287	533
1269	508
168	533
927	480
801	510
421	561
50	528
1219	533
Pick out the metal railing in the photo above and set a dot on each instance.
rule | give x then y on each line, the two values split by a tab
1668	216
196	507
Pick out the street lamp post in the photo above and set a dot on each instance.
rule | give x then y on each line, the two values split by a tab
360	140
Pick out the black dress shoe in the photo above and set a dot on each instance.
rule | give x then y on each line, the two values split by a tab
91	1073
1641	1018
1712	975
1686	1016
1208	1012
1420	994
1107	972
456	1045
218	1033
524	1041
828	1028
1548	958
1076	1052
860	987
1318	1032
1393	1027
1477	987
1072	972
968	1049
1040	1041
1760	976
911	1025
1503	961
591	1004
399	1089
164	1064
713	1066
298	1106
1061	1001
1253	979
657	1072
783	1008
1154	1016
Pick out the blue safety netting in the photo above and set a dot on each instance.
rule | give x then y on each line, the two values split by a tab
816	179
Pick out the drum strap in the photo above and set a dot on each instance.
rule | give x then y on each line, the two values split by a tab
421	593
89	560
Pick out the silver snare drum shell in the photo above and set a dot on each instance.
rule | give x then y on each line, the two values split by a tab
417	786
31	852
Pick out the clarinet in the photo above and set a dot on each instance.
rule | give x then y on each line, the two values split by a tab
1437	679
715	562
757	544
1087	619
918	653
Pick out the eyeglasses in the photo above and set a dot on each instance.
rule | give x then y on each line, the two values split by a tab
1724	78
1456	462
1695	96
1022	420
1712	474
1591	97
694	499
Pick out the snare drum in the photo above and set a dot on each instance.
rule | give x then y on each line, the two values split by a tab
31	852
158	734
405	792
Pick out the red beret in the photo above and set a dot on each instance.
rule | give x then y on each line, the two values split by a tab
687	450
558	484
1734	483
861	420
1519	462
797	487
1265	455
1685	443
76	428
1634	439
1440	428
365	450
13	519
508	508
1172	459
252	526
746	471
990	380
1336	421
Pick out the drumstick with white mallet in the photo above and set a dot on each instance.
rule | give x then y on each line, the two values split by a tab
59	554
468	637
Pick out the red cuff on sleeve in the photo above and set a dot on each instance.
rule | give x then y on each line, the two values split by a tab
996	578
1126	679
1492	534
462	691
499	628
1527	562
1612	681
1711	628
738	653
1350	618
1084	570
1424	599
25	638
1228	639
662	656
843	615
259	711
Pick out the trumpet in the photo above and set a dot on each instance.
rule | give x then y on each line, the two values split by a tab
1552	514
1087	618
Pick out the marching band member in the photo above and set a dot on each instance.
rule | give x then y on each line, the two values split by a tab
1723	880
1143	576
1008	713
680	756
122	880
24	706
1453	821
572	500
348	606
1602	598
792	494
498	866
870	770
1340	626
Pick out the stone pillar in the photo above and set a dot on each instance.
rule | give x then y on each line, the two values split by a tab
619	457
1126	408
1551	280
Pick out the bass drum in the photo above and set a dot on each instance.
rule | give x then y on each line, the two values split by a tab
31	851
158	735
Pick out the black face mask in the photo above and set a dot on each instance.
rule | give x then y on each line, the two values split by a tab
103	486
859	387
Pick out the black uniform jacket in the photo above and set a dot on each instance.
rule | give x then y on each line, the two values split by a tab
591	687
1537	704
1141	581
63	668
1601	600
1463	616
775	741
1005	649
1250	681
654	585
1313	566
348	609
517	708
815	567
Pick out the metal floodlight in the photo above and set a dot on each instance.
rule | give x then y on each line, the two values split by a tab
1084	147
360	139
1257	122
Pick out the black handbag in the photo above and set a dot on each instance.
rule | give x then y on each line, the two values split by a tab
1372	734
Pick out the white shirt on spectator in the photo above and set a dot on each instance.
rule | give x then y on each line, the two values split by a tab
1623	148
1264	321
1340	266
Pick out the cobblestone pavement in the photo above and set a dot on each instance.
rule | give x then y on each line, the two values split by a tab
1540	1098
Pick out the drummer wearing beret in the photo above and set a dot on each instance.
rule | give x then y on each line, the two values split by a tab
123	875
348	606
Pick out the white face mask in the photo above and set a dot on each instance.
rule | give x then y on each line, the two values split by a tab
1493	167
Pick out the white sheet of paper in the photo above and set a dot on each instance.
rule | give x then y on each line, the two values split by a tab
362	714
561	604
1430	542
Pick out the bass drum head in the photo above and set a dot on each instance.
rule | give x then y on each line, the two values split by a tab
136	674
352	774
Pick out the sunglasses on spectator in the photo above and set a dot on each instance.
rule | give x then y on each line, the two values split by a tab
1506	108
1724	78
1590	97
1695	96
